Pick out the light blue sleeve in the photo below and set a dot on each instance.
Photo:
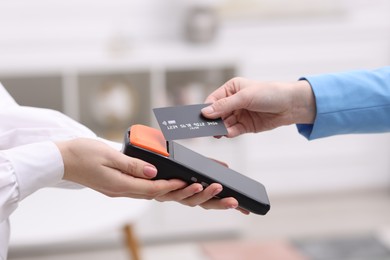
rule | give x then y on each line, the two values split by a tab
350	102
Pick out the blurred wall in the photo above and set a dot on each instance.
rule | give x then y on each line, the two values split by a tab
269	40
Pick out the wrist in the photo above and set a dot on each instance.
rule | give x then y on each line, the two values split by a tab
63	147
304	104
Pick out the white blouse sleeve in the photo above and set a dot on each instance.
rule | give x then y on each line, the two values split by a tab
25	169
29	159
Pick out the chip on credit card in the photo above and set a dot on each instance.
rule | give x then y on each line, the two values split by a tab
182	122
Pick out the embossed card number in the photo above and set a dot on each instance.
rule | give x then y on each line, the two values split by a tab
183	122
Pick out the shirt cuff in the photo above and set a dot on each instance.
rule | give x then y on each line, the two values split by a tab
305	130
350	102
36	166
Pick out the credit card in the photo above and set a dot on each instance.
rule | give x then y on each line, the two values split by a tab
183	122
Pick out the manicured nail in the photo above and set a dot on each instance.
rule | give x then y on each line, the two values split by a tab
150	171
208	110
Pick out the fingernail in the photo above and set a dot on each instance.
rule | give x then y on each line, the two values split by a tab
150	171
233	206
217	191
208	110
199	189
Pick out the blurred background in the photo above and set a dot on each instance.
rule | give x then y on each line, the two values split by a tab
108	63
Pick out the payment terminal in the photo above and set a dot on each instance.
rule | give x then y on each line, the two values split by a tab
174	161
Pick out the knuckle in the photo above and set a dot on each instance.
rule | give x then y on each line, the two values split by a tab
132	166
154	190
220	104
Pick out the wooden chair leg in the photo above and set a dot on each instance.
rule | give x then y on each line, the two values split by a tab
132	242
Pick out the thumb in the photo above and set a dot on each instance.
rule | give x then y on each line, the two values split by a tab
223	106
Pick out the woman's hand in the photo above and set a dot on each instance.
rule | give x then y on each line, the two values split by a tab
98	166
248	106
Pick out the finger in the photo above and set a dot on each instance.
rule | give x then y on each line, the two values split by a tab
243	211
132	166
181	194
234	127
225	203
207	194
123	185
224	106
217	94
228	88
151	189
230	120
235	130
